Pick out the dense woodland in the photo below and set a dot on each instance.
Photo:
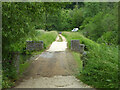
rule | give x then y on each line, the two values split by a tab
20	21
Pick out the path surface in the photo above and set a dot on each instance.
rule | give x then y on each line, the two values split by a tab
58	46
54	68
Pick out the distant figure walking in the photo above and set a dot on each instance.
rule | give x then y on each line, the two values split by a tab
60	32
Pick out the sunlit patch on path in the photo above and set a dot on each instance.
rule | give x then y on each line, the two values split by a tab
58	46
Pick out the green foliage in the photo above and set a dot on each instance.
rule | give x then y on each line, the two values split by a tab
46	37
60	39
10	75
77	17
16	27
85	22
101	70
6	83
23	67
92	8
65	19
97	25
109	38
50	15
18	24
78	60
97	21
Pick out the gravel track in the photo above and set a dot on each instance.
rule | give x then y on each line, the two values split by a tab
54	68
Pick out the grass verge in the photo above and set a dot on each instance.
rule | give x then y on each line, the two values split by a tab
78	60
101	70
46	37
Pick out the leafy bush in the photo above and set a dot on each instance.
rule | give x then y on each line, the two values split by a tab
19	21
6	83
69	19
102	24
94	28
109	38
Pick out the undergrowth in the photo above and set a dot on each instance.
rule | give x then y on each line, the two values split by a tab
101	70
9	75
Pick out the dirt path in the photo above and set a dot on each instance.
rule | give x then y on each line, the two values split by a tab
58	46
54	68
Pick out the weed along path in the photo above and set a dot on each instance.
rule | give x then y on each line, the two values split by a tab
54	68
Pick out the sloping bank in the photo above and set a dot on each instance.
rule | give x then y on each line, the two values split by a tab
101	70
